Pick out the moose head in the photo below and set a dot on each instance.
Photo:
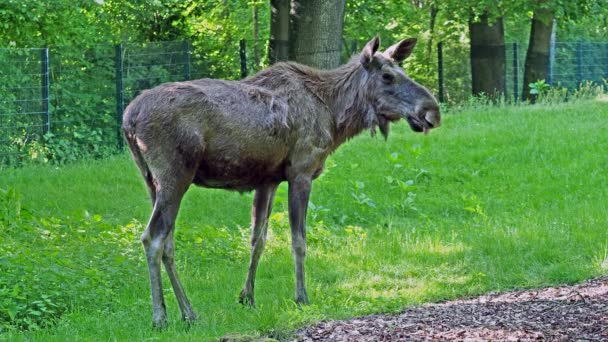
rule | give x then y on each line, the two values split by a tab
393	94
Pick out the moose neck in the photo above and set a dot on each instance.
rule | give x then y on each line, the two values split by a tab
343	90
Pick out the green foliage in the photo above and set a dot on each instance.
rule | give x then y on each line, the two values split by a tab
553	95
79	143
588	90
48	265
50	23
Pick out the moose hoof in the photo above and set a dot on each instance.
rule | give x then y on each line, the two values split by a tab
191	318
302	299
246	299
159	324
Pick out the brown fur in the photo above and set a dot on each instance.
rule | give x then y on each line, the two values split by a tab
278	125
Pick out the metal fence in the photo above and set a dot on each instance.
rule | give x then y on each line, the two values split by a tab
73	100
570	65
24	96
70	103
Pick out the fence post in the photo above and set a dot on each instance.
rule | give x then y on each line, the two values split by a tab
44	73
243	56
119	94
440	71
515	71
186	49
551	55
579	63
606	71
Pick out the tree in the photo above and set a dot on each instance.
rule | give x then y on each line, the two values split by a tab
315	33
488	60
279	31
537	56
256	34
569	13
433	11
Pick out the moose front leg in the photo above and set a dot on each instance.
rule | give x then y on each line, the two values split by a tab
299	192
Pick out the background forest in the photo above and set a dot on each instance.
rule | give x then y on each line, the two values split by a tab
213	26
103	53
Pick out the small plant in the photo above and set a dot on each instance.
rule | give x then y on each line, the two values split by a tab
539	87
601	260
587	90
316	212
406	191
554	95
10	209
360	196
473	205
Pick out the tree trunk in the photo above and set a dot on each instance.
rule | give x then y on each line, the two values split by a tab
537	57
488	59
256	37
278	48
315	36
429	47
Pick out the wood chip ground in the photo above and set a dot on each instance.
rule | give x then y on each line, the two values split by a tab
565	313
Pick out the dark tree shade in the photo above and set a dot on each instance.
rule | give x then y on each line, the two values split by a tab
279	31
488	60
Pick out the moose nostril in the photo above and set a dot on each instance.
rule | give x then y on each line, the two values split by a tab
432	118
428	113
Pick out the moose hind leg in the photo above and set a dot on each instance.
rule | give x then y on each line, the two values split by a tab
260	212
155	239
153	242
182	300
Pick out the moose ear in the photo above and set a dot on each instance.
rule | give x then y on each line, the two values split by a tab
369	50
401	50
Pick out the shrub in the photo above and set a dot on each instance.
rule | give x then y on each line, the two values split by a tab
49	265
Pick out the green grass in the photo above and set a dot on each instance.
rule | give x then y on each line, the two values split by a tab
497	199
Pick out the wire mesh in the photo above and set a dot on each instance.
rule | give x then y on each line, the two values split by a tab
576	62
22	114
457	72
150	64
571	64
86	99
82	89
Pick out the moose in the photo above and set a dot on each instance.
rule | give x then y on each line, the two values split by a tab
278	125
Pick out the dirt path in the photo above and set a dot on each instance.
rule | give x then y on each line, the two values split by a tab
566	313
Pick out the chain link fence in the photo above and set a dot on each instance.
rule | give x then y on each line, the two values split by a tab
67	104
63	105
24	99
571	64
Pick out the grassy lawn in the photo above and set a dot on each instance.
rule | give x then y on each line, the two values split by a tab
496	199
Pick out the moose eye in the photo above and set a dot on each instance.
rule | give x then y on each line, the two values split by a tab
388	78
